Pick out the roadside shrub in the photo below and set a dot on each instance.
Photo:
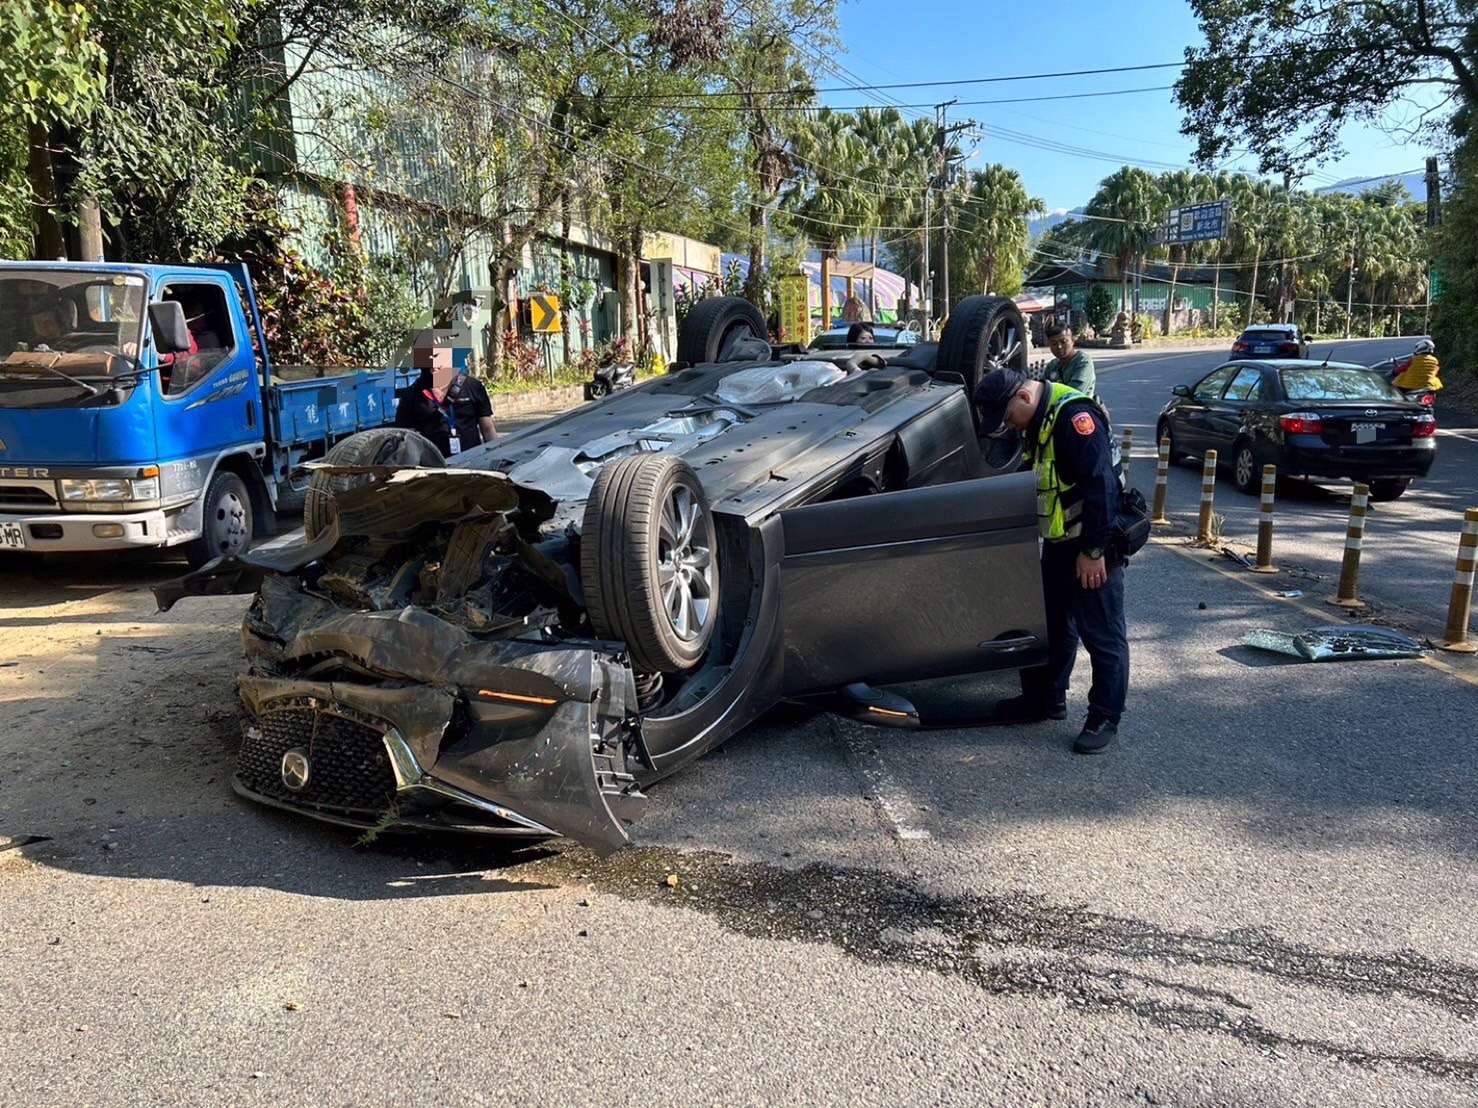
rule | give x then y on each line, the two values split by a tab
1099	307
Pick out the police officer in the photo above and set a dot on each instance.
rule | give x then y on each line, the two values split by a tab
1070	448
472	410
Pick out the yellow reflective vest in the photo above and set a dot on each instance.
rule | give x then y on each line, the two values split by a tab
1059	506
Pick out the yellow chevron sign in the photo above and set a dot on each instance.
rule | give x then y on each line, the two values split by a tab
544	313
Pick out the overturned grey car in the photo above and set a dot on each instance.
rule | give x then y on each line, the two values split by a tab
518	641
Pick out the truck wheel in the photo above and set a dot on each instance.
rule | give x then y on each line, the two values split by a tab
381	446
649	562
983	333
712	328
226	522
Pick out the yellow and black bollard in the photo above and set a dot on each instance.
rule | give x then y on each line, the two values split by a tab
1208	494
1460	606
1162	483
1265	522
1349	571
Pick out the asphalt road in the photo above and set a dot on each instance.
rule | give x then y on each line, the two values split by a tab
1411	543
1264	896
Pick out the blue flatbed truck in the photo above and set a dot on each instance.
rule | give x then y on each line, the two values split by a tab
139	408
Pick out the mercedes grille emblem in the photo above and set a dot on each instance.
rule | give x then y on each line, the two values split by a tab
295	769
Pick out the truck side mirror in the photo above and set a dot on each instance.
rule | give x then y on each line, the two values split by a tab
1181	390
167	321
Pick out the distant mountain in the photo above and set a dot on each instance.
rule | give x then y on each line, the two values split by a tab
1416	184
1043	224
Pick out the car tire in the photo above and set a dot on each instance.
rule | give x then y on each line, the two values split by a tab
381	446
711	328
225	521
1176	457
649	562
983	333
1246	472
1389	488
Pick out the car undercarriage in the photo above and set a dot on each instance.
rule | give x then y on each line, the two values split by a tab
518	642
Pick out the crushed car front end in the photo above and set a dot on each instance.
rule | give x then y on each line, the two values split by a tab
418	675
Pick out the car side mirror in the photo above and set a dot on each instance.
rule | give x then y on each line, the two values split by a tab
167	321
1181	390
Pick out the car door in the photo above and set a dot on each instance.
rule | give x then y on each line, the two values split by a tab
207	400
1192	427
929	582
1225	416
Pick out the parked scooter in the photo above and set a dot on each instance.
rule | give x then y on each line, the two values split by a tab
608	378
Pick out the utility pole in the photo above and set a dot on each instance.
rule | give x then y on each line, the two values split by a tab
939	175
1434	220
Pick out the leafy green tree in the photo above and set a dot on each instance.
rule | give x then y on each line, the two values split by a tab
1099	307
831	205
1453	325
991	242
1282	79
1125	215
51	81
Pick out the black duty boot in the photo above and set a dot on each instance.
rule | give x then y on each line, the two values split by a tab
1028	709
1098	732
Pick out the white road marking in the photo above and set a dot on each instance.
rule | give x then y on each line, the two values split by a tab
890	798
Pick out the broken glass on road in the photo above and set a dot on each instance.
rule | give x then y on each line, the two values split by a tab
1339	643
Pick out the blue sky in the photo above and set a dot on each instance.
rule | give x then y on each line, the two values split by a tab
885	41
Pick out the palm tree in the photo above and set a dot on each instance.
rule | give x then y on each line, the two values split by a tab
992	234
830	202
1129	210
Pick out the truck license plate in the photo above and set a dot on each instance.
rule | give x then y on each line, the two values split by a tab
12	536
1367	432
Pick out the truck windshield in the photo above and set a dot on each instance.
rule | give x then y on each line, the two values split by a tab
61	329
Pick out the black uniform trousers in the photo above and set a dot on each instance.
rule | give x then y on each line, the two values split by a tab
1093	616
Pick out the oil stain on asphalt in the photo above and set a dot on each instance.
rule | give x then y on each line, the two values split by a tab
1021	944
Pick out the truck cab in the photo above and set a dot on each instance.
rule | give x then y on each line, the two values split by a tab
139	408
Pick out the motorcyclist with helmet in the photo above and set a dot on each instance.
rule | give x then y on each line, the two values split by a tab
1421	374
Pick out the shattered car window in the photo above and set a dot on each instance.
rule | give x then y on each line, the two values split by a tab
772	384
1337	644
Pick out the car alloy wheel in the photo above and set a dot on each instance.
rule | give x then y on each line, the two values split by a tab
685	568
1245	467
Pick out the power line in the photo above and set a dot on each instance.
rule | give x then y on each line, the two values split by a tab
931	84
923	104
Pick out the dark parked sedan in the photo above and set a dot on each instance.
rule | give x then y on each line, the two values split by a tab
1271	340
1326	421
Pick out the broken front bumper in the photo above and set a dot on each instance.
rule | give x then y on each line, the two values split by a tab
400	718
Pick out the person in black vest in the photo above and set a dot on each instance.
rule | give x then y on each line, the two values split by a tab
421	408
472	410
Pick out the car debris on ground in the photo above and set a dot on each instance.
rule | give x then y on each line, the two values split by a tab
1354	642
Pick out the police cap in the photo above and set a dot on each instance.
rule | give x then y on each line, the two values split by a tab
993	394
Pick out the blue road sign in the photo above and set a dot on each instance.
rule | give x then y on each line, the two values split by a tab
1197	223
